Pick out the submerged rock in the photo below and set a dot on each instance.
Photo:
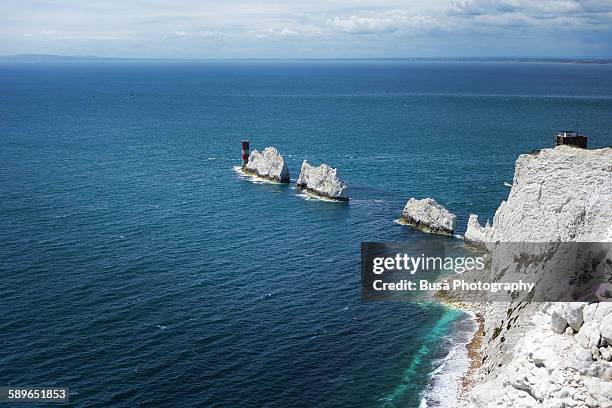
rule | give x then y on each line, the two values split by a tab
268	164
429	216
323	181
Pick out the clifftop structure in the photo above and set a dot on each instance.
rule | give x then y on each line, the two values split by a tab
245	152
569	137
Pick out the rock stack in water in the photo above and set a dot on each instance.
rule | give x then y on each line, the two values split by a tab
322	181
429	216
268	164
475	235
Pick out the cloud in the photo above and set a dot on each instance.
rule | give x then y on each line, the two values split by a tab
558	14
39	33
297	33
209	34
313	28
279	33
387	22
202	34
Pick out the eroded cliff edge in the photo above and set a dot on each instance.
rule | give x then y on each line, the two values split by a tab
548	354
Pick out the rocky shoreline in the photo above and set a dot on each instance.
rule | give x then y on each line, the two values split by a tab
474	356
477	310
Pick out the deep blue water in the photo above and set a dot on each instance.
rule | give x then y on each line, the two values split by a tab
139	269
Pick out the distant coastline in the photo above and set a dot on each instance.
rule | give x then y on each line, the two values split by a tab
90	58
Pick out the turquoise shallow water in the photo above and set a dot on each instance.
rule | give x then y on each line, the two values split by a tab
140	270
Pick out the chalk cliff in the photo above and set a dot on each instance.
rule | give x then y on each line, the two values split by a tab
560	194
549	354
268	164
429	216
323	181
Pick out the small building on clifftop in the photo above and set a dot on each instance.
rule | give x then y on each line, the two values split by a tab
569	137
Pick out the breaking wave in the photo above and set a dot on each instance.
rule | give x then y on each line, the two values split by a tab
444	387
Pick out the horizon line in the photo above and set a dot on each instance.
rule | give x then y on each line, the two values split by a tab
43	57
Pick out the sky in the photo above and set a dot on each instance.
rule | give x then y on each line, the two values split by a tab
307	28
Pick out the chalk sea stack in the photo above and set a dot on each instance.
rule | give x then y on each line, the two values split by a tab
323	181
268	164
475	235
429	216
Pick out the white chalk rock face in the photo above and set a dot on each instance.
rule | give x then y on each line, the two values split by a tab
428	216
558	324
605	326
268	164
475	234
323	181
569	314
556	352
589	336
562	194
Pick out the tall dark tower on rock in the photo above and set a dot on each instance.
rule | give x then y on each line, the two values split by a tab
245	152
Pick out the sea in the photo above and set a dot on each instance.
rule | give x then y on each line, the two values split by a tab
139	269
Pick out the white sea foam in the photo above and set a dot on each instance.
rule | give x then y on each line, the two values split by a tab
313	197
445	384
253	178
444	360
